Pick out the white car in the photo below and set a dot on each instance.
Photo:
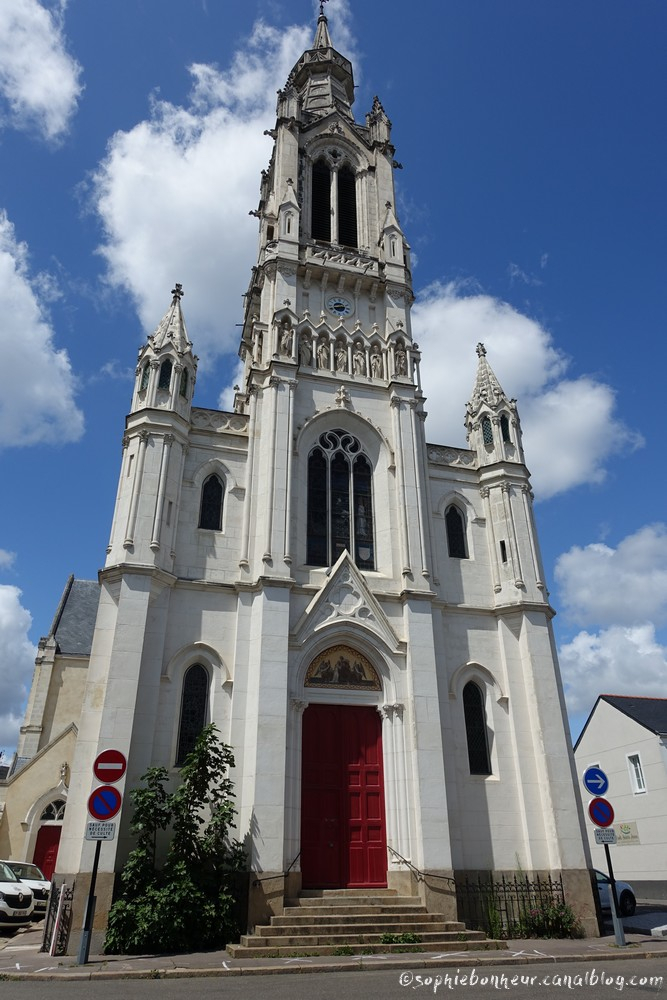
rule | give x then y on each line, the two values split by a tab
35	878
627	904
16	902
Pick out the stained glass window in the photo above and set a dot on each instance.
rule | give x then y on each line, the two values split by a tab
55	811
476	732
164	381
456	537
505	429
193	710
487	431
210	512
340	502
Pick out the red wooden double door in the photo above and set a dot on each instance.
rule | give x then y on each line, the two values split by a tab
343	840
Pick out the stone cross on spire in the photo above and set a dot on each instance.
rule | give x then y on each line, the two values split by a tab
177	292
322	3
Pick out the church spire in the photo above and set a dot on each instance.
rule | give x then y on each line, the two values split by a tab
492	419
322	37
322	77
171	328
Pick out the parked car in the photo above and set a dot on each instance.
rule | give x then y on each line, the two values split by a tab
627	904
16	902
35	878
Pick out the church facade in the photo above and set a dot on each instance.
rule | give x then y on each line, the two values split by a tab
363	615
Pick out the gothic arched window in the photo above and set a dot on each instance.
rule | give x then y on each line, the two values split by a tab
210	510
505	429
320	228
164	381
476	732
347	207
487	431
54	812
194	704
456	533
145	374
340	501
184	383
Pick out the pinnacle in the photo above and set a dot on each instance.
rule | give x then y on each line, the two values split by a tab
171	328
487	388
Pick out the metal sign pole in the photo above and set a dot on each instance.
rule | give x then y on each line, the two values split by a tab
86	933
619	931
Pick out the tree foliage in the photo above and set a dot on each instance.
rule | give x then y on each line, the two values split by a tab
185	904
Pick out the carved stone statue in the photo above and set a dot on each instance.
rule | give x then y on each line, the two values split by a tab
341	358
359	361
376	365
323	355
401	362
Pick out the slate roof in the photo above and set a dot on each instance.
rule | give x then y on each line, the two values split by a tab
648	712
74	622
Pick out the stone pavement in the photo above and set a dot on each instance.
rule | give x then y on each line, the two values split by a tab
20	958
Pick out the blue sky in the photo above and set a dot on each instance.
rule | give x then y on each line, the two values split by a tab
533	145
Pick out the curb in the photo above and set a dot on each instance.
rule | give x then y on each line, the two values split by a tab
363	964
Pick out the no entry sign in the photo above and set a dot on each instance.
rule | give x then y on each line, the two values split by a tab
110	765
601	812
104	802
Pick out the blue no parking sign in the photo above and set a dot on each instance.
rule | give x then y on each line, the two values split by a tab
601	812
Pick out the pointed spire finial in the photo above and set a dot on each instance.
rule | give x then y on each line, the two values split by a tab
481	350
177	292
322	3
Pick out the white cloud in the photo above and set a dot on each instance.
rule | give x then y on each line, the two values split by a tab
601	585
618	660
39	80
37	402
569	426
6	559
171	188
17	656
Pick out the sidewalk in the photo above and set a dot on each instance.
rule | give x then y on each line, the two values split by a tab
20	958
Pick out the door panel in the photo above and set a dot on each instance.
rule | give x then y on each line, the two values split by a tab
343	840
46	849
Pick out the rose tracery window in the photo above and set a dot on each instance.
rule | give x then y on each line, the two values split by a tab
340	501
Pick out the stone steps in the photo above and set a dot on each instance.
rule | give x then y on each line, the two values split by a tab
356	922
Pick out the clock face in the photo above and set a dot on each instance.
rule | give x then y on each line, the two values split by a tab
339	306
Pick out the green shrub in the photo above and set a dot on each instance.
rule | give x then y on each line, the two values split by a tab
185	905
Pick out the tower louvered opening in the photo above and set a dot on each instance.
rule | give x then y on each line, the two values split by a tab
320	228
347	208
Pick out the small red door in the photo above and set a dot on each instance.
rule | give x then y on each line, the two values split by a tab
46	849
343	840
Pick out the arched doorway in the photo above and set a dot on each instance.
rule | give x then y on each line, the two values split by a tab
45	853
343	836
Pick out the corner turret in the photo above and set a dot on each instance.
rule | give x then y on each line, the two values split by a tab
166	367
492	418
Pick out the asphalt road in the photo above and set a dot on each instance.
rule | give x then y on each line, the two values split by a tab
592	980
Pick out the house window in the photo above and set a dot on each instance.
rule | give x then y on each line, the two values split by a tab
210	511
164	381
476	732
487	431
340	502
193	710
145	373
505	429
456	534
636	773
